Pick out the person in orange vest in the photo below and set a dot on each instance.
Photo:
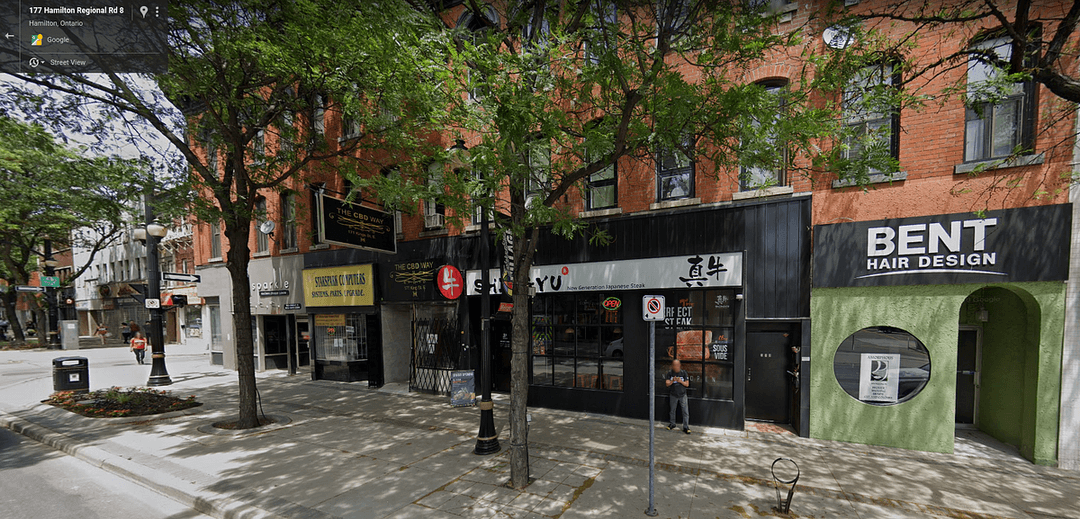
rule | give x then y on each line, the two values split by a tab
138	345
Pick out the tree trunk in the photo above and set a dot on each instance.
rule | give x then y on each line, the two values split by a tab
519	363
245	346
10	297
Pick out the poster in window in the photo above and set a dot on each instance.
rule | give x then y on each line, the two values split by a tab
879	377
462	389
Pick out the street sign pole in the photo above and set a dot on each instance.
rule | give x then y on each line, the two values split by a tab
651	511
653	310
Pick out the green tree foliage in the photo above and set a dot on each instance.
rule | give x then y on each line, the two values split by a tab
551	95
51	191
255	82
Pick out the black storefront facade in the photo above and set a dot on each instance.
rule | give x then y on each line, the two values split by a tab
736	282
735	276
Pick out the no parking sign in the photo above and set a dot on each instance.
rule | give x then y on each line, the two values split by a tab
653	306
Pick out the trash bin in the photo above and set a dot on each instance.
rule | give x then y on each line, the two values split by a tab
71	374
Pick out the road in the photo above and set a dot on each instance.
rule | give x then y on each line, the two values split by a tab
26	376
38	482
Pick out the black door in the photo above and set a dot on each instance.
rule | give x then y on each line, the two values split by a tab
768	387
967	362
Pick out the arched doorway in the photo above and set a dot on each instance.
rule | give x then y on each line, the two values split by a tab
997	360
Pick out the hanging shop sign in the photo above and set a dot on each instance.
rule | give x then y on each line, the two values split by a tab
697	271
450	282
411	280
339	286
353	225
1024	244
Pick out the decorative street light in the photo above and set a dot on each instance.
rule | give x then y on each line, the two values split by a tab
51	317
152	234
487	439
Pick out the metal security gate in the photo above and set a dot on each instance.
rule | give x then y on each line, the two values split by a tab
437	350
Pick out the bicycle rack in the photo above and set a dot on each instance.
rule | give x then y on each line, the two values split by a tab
783	506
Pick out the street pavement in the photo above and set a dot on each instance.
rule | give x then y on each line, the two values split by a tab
345	450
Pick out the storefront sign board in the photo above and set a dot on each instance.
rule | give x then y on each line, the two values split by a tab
411	280
697	271
329	319
353	225
1011	245
339	286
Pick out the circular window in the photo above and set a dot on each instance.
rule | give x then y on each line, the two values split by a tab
882	365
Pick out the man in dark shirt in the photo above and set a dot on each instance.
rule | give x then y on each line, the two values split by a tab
677	380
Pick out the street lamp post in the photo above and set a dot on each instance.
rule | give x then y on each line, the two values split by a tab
487	439
154	232
51	317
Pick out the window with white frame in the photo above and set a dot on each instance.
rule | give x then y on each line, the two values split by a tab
262	240
599	40
999	114
601	188
675	172
539	169
215	240
770	169
434	212
288	221
873	122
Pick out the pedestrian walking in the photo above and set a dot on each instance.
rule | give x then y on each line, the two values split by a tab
125	332
677	380
3	329
101	332
133	327
138	345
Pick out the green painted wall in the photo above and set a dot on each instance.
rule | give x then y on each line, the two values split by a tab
1028	343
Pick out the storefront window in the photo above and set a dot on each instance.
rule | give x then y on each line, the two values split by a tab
698	330
578	341
882	365
340	337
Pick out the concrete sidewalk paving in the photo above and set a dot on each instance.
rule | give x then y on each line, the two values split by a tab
344	450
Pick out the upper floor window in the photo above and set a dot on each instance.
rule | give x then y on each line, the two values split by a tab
318	113
601	188
434	212
1000	114
675	172
770	168
871	117
215	240
315	203
599	39
262	239
539	166
477	26
288	221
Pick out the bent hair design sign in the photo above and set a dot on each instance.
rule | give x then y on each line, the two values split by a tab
1024	244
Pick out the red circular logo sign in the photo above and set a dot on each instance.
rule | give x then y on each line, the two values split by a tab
565	271
450	282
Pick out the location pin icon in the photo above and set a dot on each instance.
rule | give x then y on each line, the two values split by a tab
143	10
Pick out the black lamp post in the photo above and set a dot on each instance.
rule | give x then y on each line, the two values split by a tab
487	439
51	317
153	233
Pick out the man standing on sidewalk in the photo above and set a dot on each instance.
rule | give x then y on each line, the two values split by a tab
677	380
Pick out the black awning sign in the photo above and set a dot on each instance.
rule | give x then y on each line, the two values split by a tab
353	225
1011	245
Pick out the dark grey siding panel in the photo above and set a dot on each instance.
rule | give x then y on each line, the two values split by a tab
774	234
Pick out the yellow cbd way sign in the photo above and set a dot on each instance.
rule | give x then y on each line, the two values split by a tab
339	286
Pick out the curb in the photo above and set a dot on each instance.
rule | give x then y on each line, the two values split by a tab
188	493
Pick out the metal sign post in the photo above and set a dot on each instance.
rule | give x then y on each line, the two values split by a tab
653	307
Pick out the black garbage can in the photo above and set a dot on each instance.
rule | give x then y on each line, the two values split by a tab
71	374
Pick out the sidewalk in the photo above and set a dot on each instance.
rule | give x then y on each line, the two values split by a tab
344	450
